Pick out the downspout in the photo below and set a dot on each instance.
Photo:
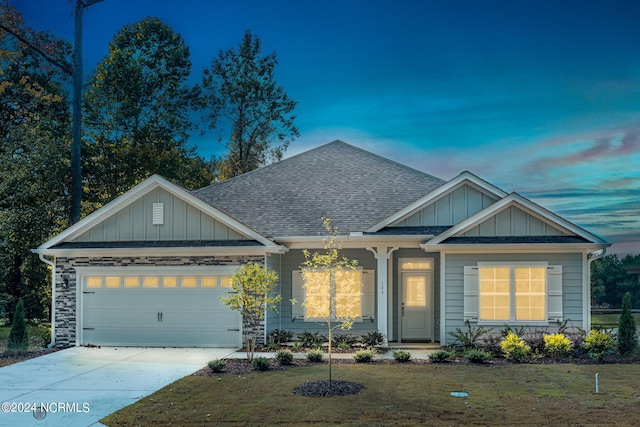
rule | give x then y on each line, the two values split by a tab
596	255
53	298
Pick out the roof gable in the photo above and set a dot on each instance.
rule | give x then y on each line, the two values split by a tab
129	218
353	187
514	216
458	199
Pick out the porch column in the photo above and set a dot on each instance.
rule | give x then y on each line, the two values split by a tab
382	254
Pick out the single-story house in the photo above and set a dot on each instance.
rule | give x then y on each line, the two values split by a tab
148	268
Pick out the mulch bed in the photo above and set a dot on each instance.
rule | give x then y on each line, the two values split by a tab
9	358
326	389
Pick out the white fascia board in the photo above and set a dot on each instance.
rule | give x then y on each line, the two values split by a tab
139	191
484	248
515	199
464	177
166	251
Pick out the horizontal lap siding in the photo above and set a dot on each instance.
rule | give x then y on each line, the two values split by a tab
454	284
291	261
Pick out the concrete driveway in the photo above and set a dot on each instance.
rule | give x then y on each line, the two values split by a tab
79	386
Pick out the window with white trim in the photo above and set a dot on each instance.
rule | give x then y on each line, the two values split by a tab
513	292
354	295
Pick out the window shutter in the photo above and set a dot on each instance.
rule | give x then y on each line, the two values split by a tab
554	292
297	293
367	303
471	279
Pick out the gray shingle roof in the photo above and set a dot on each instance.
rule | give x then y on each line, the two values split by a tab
355	188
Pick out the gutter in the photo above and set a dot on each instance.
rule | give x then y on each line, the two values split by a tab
53	298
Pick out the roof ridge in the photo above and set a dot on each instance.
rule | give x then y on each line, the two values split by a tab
387	160
323	147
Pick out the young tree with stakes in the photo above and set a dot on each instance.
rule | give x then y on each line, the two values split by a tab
323	271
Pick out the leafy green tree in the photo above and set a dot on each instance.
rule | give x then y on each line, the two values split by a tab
34	128
610	280
18	336
137	114
627	341
326	269
252	296
254	116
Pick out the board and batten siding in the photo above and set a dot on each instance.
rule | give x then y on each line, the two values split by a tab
181	221
451	208
513	222
291	261
454	285
273	318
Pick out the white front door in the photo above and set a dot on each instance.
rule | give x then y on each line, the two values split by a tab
417	306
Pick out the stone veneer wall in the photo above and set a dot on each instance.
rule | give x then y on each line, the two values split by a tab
66	304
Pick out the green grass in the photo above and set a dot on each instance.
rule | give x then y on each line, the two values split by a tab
400	394
610	320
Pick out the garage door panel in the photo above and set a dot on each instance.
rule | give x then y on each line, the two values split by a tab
157	316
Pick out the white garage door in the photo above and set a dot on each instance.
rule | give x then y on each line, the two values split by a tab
181	310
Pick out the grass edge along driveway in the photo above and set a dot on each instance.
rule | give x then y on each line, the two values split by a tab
556	394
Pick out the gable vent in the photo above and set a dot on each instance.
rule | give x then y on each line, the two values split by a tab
158	214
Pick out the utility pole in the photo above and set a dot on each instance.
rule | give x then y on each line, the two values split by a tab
76	133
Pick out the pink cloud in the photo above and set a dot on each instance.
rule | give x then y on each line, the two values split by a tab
603	146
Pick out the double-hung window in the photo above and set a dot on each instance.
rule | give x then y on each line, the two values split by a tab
354	295
529	292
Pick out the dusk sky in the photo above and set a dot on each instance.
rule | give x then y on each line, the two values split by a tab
538	97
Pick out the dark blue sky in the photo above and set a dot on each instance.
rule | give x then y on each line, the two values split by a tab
539	97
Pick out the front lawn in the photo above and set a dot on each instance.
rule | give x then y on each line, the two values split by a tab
400	394
610	320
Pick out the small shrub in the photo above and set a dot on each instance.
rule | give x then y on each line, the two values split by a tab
40	335
260	364
557	344
491	343
344	346
440	356
477	356
514	347
310	340
469	339
314	356
346	341
372	339
280	336
517	331
598	344
18	336
284	357
217	365
401	356
627	342
271	346
297	346
364	356
535	340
